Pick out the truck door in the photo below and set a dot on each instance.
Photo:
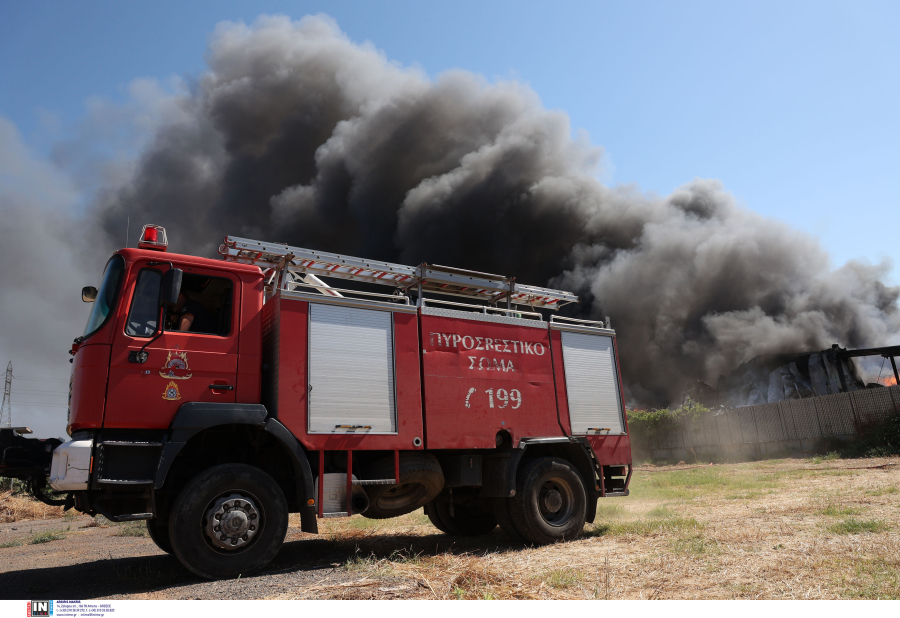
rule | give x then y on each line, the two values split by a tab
199	364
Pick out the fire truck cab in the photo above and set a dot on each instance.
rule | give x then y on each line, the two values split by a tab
212	398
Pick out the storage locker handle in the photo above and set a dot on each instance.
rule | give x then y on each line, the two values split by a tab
599	429
216	387
353	427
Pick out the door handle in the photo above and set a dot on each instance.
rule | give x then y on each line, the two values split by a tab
223	387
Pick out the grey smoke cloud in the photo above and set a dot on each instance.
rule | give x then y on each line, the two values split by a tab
37	276
297	134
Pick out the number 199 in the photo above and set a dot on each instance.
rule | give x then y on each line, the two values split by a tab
504	398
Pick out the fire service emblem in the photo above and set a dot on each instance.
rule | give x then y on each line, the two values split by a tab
171	393
176	367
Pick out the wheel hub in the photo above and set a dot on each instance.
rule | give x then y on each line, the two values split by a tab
553	501
232	521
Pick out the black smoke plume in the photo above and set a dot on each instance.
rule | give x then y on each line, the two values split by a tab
296	134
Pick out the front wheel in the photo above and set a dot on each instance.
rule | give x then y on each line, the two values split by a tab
550	503
227	521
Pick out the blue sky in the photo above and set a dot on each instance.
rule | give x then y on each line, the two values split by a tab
793	106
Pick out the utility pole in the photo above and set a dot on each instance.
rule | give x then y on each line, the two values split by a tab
6	408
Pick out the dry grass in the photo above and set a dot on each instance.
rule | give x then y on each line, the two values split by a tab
47	536
786	529
18	507
132	528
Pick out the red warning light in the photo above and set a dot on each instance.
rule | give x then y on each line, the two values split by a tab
153	237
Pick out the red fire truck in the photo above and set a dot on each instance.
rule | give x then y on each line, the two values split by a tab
212	398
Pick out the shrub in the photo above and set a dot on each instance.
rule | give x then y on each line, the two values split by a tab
650	426
881	440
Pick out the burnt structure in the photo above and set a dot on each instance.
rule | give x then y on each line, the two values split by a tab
769	379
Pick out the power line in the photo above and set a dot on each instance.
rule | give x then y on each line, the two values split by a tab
43	379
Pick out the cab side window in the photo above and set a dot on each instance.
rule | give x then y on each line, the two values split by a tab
204	306
144	313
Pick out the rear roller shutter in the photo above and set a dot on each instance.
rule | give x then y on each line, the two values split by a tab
351	370
591	384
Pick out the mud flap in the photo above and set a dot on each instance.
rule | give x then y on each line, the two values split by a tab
591	506
499	474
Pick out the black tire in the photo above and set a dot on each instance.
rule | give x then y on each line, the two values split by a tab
255	508
550	504
421	481
159	534
469	518
504	519
435	518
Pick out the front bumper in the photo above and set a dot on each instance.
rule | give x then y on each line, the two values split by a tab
70	469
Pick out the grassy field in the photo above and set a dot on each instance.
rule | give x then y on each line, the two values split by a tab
820	528
783	529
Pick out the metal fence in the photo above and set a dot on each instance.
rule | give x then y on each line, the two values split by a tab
797	421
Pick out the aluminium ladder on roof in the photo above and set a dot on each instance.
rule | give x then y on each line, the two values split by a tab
426	277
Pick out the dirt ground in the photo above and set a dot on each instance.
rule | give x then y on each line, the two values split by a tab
783	529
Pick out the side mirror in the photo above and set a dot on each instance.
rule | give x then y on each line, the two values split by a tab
88	294
170	286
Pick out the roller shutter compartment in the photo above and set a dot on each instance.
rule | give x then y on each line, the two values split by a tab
351	370
591	385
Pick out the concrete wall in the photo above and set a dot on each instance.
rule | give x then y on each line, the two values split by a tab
797	425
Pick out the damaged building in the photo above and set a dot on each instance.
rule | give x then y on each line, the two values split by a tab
769	379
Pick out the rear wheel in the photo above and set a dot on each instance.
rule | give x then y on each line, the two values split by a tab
436	520
504	518
464	518
159	533
550	503
228	520
421	481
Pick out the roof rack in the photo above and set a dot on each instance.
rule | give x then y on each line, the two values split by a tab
444	280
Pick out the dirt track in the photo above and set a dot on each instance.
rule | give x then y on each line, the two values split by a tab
783	529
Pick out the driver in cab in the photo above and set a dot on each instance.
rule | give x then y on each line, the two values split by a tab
190	316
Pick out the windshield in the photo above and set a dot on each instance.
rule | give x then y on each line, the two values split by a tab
106	296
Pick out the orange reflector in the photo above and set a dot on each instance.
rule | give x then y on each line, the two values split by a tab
311	502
